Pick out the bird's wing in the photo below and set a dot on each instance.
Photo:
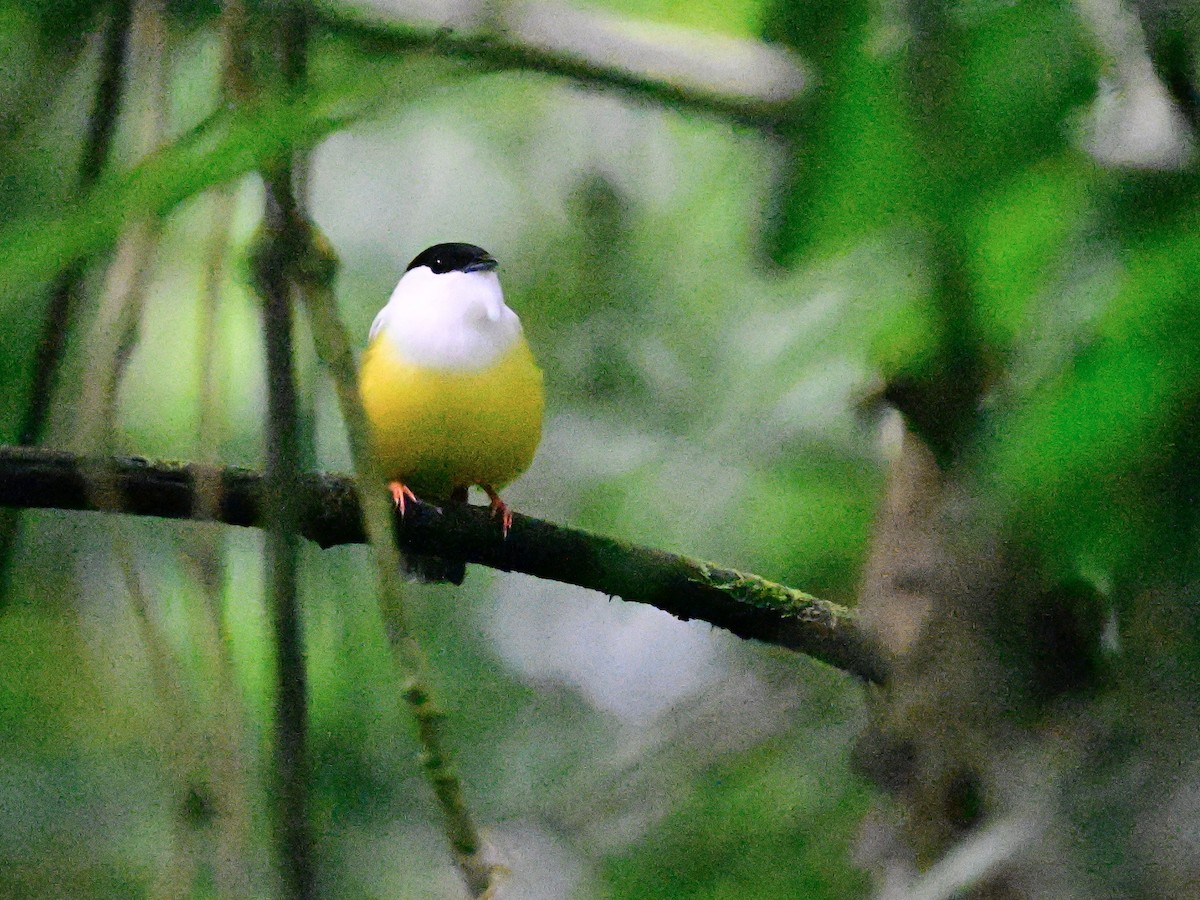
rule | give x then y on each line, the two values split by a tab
380	318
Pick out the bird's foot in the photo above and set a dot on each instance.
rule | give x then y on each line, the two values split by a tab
400	492
499	508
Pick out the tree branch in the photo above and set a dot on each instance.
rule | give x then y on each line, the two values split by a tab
744	604
315	269
748	82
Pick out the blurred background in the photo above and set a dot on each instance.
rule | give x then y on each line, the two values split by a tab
959	207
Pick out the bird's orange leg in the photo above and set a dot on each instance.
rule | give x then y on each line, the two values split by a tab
400	492
499	507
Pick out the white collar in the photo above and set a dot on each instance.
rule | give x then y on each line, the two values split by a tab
452	320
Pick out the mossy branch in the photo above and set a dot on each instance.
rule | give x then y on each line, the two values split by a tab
744	604
314	268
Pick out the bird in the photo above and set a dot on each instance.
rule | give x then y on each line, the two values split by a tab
451	390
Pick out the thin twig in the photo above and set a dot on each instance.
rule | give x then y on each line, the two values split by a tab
333	347
228	771
111	341
310	270
113	337
744	604
114	333
177	742
102	123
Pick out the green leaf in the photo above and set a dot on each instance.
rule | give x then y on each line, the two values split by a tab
995	86
1016	241
850	163
1079	455
225	146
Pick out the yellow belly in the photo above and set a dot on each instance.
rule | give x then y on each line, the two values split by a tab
435	430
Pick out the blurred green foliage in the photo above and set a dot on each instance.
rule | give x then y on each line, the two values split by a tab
931	209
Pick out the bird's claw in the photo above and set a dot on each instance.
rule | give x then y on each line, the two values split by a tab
499	508
401	492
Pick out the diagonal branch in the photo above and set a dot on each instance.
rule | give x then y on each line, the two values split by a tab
745	81
744	604
316	266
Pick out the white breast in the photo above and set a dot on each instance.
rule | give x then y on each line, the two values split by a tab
455	320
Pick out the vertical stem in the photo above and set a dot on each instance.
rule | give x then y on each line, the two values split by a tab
232	825
288	256
113	334
293	839
273	272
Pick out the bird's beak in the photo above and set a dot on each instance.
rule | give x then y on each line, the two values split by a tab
485	263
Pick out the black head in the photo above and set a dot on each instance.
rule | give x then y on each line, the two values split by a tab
442	258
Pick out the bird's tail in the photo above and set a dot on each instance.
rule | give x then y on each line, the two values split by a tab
423	568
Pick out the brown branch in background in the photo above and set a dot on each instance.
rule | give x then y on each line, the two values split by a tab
272	267
230	807
744	604
102	123
311	267
747	82
294	842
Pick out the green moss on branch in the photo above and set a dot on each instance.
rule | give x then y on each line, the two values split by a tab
744	604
